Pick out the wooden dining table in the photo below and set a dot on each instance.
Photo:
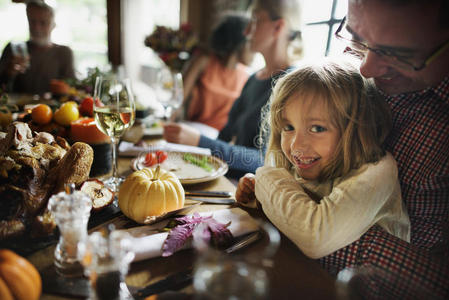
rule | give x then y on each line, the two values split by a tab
291	274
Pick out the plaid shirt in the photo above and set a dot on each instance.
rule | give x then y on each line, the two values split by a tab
420	143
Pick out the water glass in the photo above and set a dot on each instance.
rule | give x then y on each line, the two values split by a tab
106	257
219	275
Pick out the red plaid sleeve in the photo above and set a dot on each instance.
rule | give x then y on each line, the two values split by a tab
397	269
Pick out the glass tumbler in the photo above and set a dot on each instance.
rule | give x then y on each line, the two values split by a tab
106	258
219	275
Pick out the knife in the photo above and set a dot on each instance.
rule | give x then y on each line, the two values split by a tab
181	279
219	194
213	200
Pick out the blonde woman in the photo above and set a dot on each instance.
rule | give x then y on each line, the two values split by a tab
330	179
274	31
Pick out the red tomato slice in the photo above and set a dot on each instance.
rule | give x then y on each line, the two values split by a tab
161	156
150	159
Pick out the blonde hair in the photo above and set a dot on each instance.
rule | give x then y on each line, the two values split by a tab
353	103
291	12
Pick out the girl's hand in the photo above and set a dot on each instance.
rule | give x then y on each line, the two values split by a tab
181	134
245	190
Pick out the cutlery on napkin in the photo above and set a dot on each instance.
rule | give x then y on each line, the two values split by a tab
149	246
181	279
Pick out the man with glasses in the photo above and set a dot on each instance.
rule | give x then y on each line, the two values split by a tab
404	46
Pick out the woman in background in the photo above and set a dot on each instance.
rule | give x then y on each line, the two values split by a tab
214	79
274	31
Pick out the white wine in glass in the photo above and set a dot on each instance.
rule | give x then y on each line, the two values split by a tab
113	122
114	111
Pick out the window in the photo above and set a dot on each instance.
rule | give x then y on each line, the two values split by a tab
139	18
84	31
12	17
321	18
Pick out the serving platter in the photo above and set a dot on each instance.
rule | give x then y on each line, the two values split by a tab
187	172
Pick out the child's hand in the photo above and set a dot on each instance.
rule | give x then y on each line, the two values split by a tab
245	190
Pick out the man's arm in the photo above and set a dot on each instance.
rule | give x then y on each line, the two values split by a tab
393	268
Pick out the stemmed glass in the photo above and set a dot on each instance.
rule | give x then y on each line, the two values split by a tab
114	111
169	91
20	50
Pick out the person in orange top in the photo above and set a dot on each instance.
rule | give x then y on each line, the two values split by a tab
214	79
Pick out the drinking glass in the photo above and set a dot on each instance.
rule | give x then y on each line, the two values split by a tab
106	256
114	111
169	91
20	50
218	275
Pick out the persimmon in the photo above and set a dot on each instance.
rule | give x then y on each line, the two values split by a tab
41	114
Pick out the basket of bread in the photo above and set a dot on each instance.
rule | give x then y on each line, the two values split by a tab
34	166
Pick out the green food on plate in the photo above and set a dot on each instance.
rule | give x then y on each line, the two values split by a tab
200	162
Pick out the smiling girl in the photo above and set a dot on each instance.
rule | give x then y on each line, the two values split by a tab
327	178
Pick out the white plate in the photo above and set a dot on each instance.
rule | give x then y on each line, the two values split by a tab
187	173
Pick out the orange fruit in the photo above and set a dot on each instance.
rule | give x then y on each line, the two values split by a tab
59	87
41	114
67	113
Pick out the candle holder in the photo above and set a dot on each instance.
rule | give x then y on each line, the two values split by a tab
71	211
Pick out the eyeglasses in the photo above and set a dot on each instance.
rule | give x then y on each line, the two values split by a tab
403	61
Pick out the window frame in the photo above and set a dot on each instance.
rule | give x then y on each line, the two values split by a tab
330	24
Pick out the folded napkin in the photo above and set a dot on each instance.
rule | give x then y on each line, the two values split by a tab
148	246
131	150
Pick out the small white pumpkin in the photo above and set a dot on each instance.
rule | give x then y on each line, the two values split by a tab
150	192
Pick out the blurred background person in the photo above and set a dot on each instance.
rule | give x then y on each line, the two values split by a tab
214	78
45	60
275	32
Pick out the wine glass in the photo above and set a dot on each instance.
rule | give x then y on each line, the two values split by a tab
19	50
114	111
169	91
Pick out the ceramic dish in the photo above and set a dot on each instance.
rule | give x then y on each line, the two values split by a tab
187	173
